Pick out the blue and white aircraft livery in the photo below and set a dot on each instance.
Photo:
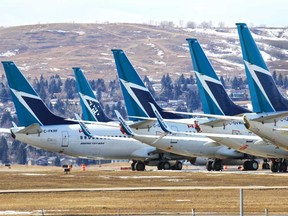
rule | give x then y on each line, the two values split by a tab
41	128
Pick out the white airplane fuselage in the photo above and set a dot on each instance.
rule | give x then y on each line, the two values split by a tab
276	133
70	140
193	146
259	148
215	147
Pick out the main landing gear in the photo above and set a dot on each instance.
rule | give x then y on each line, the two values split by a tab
279	166
165	165
162	165
138	166
215	165
265	165
250	165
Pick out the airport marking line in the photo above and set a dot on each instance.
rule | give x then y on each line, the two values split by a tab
49	190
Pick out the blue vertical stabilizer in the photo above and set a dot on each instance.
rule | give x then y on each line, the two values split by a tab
136	95
29	106
215	99
91	108
264	93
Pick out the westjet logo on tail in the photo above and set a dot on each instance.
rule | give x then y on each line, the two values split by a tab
20	96
203	80
252	70
91	104
128	86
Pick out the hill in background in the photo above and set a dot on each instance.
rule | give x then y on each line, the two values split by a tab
51	49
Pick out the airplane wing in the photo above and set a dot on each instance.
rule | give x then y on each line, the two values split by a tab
217	120
223	117
167	129
280	129
31	129
147	123
5	130
268	117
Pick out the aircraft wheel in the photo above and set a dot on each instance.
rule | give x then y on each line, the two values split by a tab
246	165
133	165
217	165
178	165
166	165
282	167
254	165
209	165
139	166
159	166
265	166
275	167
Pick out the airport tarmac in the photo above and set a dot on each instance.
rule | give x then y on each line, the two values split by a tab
107	190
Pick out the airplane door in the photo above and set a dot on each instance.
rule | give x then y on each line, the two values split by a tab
174	141
65	139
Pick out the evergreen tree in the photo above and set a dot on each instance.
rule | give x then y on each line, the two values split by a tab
223	81
280	80
4	150
274	75
6	119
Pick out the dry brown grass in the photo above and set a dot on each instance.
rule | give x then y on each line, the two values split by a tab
138	202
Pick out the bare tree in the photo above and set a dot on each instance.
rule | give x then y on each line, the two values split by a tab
221	24
191	24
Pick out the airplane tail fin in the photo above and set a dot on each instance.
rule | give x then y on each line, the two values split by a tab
136	95
215	99
92	110
264	93
29	106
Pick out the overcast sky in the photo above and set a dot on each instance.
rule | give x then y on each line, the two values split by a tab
258	12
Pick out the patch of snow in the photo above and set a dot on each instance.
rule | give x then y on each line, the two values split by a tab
267	57
160	53
54	69
80	32
151	45
105	54
226	63
159	63
24	67
9	53
142	69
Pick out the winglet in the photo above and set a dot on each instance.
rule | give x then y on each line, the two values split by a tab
124	127
160	120
83	126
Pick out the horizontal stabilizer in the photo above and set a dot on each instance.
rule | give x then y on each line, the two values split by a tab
268	117
238	118
5	130
31	129
124	127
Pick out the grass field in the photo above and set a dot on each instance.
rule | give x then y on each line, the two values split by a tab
225	201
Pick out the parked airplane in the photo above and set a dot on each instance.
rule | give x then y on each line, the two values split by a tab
215	100
41	128
265	97
92	111
138	98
